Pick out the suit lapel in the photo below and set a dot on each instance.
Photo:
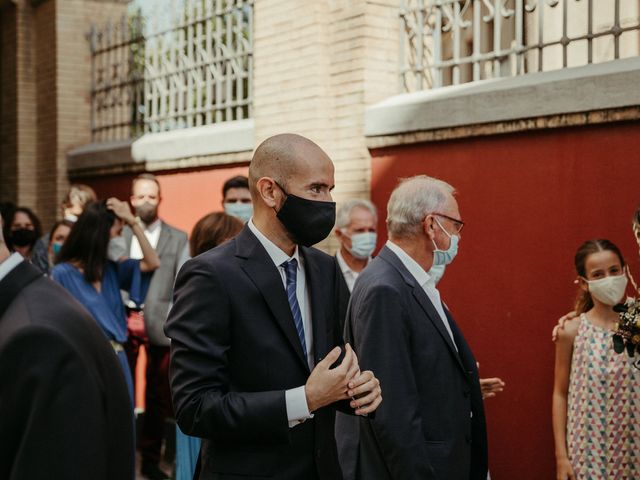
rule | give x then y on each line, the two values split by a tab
163	240
316	290
423	300
266	277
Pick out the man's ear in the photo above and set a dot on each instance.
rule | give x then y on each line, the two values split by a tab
428	225
269	191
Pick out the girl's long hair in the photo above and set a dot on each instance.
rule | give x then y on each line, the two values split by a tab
88	240
584	302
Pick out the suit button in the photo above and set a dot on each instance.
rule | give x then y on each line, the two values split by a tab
467	438
318	454
467	393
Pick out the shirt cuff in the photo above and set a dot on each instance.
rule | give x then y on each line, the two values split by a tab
297	409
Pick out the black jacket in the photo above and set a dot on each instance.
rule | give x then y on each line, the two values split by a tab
234	352
431	422
64	407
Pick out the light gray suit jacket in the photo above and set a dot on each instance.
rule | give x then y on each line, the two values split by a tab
171	249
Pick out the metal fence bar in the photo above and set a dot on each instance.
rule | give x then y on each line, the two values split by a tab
517	31
197	71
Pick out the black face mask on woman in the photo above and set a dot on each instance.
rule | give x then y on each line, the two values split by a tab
308	221
23	237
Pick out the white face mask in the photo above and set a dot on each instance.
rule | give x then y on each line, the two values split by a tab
117	249
363	244
608	290
243	211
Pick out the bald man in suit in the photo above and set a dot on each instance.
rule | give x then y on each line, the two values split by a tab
255	330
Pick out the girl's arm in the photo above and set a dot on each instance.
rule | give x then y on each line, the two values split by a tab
564	351
150	260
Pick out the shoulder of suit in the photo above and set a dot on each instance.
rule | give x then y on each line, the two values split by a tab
318	255
174	230
47	304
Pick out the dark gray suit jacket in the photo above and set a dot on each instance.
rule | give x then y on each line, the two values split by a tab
431	423
170	248
64	406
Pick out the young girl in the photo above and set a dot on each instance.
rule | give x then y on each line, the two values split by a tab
596	396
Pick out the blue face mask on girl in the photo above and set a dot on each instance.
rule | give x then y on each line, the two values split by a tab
445	257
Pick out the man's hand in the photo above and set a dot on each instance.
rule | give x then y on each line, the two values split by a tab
365	392
327	385
560	325
490	387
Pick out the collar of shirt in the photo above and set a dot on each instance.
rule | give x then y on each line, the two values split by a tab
153	227
277	255
344	266
422	277
9	264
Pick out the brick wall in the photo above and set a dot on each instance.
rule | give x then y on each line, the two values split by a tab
8	90
46	121
26	128
317	65
45	97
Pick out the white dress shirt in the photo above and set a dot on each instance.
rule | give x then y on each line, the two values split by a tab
349	275
426	281
296	399
9	264
152	232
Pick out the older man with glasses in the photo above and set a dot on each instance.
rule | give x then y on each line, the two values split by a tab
431	424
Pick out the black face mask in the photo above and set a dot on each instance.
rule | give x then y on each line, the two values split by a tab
23	237
308	221
147	213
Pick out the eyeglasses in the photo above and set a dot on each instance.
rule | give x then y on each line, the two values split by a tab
457	224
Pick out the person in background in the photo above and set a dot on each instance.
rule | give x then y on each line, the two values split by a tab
236	198
58	235
431	423
595	395
70	209
64	407
93	267
211	230
24	229
356	230
146	324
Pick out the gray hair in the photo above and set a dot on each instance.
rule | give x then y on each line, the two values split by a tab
412	200
343	217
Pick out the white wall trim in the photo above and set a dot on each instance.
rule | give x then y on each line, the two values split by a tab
581	89
237	136
206	145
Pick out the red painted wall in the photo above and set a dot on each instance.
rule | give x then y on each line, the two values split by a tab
186	195
529	200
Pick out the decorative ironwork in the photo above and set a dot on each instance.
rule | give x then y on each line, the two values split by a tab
449	42
196	71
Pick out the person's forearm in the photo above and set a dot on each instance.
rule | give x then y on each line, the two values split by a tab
150	260
559	420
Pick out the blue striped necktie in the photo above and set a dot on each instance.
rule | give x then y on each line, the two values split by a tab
291	272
